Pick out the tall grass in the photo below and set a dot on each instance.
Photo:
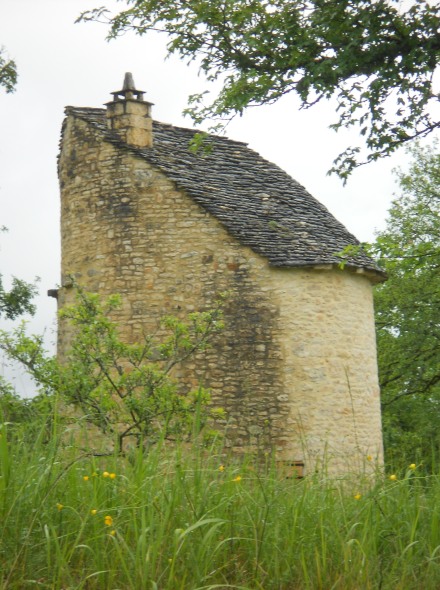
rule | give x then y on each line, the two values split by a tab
187	519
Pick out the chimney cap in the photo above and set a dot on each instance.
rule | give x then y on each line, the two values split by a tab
128	82
129	91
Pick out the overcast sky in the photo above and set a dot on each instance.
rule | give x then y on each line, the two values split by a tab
61	63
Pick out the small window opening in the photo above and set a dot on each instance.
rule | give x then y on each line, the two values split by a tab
292	469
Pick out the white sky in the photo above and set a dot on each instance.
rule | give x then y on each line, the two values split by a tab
61	63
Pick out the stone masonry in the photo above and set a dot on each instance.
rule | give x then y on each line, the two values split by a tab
295	367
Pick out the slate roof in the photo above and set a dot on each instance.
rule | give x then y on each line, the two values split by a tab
256	201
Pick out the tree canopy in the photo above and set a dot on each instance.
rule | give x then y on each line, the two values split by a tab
408	309
17	300
375	57
8	71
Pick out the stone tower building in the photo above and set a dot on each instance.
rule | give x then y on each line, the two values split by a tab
141	215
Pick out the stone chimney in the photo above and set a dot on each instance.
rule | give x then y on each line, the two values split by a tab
130	115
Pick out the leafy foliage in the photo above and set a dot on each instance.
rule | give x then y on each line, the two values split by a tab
17	300
12	408
125	390
25	418
8	72
408	310
376	57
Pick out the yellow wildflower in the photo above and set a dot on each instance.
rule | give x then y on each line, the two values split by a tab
112	475
358	496
412	466
221	468
237	479
393	477
106	474
93	512
60	506
108	520
369	458
85	477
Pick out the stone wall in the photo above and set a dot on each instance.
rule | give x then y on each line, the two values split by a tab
295	367
330	367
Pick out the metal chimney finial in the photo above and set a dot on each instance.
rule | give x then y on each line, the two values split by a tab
128	82
129	91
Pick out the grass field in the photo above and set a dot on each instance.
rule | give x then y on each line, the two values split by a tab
187	519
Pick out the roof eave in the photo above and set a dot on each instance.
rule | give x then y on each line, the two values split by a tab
374	275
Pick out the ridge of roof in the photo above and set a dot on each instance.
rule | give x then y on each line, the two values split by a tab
256	201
